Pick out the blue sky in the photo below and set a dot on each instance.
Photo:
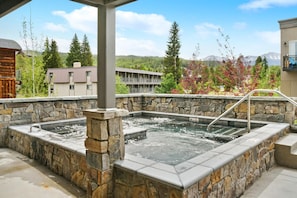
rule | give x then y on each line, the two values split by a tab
143	26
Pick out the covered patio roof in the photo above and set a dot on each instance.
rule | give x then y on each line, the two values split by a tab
96	3
7	6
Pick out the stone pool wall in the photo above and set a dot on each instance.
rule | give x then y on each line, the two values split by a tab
31	110
62	160
226	171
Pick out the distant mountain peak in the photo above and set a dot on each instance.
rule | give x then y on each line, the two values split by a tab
273	58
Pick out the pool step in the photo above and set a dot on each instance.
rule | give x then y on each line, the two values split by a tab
134	133
229	131
286	151
219	130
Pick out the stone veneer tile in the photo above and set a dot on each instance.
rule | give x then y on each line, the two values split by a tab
184	166
193	175
218	161
160	175
164	167
139	160
203	157
237	150
129	165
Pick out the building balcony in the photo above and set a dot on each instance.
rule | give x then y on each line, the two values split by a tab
290	63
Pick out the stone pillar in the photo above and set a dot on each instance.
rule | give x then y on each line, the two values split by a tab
104	145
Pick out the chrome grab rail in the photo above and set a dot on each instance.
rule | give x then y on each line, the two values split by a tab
35	125
248	97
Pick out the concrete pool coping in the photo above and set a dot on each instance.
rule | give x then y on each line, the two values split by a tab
182	175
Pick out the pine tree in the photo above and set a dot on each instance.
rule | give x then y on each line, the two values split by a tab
55	59
86	55
50	56
46	54
172	62
75	53
258	60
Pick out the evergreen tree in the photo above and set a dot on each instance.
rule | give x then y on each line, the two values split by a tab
258	60
46	54
50	56
86	55
172	63
75	53
264	68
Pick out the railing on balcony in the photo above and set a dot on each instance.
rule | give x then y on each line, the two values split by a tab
290	63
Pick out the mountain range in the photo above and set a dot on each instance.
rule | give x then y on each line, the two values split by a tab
272	58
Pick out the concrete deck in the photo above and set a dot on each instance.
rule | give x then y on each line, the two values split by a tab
277	182
23	177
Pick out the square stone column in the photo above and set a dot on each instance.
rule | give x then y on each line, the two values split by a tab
104	145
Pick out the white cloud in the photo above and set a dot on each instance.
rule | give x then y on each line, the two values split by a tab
149	23
207	29
55	27
63	44
83	19
264	4
125	46
269	37
240	25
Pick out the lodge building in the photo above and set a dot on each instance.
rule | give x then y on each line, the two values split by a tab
79	81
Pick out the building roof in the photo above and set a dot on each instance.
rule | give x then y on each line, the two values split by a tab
288	23
9	44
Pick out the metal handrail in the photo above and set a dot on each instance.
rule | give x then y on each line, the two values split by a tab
248	96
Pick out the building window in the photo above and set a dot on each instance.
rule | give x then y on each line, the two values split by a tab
89	87
293	48
52	89
71	87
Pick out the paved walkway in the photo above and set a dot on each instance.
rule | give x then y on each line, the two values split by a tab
23	177
277	182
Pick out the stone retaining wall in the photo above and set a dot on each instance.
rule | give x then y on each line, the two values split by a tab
32	110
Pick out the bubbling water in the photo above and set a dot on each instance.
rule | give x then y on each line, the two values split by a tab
168	140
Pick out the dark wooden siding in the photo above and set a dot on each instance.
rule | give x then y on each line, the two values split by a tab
7	73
